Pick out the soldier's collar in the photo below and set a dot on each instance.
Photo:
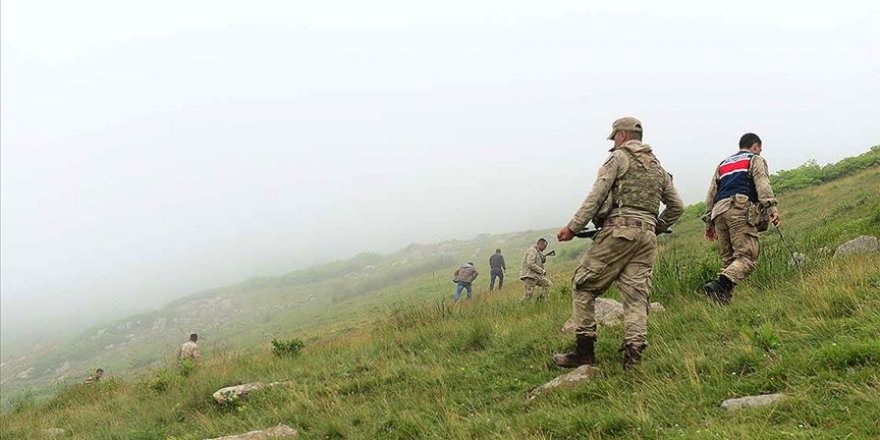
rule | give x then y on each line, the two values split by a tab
633	145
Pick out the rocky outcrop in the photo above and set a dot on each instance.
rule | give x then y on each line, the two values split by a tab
657	307
280	431
866	244
578	376
751	401
609	312
797	260
229	394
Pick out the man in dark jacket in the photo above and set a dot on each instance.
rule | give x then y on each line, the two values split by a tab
497	266
463	277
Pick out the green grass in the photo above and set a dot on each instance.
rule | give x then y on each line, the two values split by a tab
405	363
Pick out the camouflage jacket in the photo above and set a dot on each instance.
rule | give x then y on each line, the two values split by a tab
533	264
189	350
602	196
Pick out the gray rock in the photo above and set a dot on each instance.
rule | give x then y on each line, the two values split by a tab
280	431
859	245
797	260
751	401
608	312
578	376
657	307
54	432
228	394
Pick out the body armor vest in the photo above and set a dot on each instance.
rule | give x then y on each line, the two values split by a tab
734	178
641	186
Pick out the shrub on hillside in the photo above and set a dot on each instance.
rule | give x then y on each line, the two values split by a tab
811	173
163	381
285	348
763	337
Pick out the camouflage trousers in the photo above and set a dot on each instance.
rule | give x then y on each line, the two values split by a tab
529	285
737	240
622	254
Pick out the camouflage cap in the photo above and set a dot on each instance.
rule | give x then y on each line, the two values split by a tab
627	123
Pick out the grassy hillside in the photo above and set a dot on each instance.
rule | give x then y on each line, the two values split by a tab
309	303
403	362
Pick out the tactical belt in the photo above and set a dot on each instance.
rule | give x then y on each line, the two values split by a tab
631	222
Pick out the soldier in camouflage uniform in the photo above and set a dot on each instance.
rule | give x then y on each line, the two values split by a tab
626	247
740	203
91	380
189	351
532	273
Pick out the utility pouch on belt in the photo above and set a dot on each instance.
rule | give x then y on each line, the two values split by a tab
741	201
758	217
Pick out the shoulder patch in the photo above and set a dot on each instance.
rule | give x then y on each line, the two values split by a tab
609	160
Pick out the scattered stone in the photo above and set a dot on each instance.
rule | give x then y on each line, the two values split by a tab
228	394
54	432
579	375
608	312
657	307
859	245
797	260
25	374
280	431
751	401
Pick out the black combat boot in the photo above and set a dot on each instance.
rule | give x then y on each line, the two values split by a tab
720	290
583	354
632	355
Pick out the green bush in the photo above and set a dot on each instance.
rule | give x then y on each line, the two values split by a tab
287	347
163	381
763	337
811	173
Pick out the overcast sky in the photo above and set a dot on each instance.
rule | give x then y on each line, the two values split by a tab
151	149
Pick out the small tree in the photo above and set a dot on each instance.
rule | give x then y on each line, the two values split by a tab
287	347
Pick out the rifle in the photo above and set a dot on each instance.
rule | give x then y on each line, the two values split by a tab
591	233
550	254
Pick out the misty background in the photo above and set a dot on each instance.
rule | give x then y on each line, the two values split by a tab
154	149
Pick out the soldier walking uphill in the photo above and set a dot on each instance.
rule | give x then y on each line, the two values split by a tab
497	268
740	203
532	273
189	351
625	248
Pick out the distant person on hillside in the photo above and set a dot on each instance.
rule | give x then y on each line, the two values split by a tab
740	203
189	351
625	248
93	379
532	273
497	268
463	277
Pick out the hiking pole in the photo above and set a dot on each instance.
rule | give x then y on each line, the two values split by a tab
794	258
